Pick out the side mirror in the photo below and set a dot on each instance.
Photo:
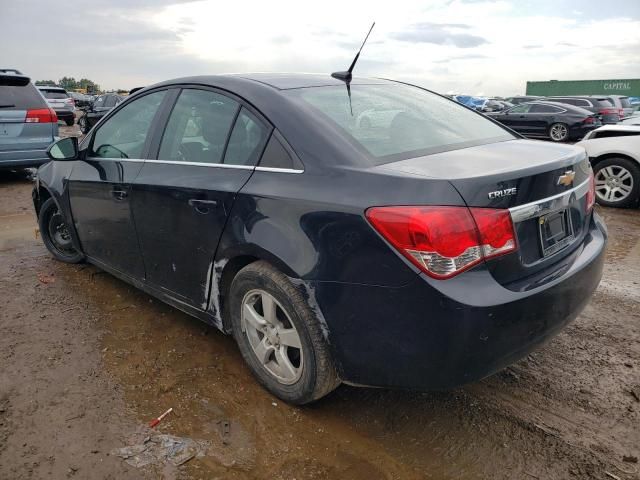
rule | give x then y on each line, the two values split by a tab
64	149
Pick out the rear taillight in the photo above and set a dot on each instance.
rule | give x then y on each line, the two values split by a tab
444	241
41	115
71	101
608	111
591	193
589	121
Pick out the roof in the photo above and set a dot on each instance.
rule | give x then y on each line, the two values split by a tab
286	81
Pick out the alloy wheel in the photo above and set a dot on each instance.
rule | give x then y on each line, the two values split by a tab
613	183
273	336
558	132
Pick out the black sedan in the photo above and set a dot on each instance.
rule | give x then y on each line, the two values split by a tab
557	121
98	108
427	250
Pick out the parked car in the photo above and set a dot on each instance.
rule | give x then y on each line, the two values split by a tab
621	102
557	121
634	119
493	105
97	109
60	101
426	255
27	124
80	99
614	152
597	104
518	99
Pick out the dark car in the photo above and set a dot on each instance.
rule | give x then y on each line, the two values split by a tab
599	105
424	253
97	109
557	121
81	100
518	99
27	124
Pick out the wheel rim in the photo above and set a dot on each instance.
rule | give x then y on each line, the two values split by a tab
613	183
558	132
273	336
59	234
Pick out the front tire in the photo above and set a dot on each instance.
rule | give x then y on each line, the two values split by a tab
617	182
279	336
55	233
559	132
69	122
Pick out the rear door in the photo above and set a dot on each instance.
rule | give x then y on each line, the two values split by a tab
100	185
183	195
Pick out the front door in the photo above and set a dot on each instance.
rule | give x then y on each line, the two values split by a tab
100	185
518	118
182	197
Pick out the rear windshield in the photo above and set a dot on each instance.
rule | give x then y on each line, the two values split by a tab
54	94
605	103
394	122
20	98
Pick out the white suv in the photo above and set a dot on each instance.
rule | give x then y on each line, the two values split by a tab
614	152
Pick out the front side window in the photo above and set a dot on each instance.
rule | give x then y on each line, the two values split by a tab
394	121
110	101
124	134
198	127
538	108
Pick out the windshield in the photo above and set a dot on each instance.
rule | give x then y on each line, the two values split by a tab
395	121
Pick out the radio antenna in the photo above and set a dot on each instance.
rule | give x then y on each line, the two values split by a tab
348	75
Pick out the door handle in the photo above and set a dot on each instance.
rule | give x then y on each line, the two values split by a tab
202	206
119	194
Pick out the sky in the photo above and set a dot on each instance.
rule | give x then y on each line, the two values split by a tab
477	47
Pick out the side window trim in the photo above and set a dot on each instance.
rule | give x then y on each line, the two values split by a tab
145	149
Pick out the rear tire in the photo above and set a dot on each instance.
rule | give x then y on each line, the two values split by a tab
559	132
283	346
55	234
84	125
617	182
69	122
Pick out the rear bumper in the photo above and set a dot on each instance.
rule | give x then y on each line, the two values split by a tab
441	334
578	132
65	114
23	158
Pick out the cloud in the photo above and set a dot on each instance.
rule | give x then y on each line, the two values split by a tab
439	34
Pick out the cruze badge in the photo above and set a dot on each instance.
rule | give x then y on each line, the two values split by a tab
566	178
503	193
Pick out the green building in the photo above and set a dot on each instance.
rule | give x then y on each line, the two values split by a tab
629	87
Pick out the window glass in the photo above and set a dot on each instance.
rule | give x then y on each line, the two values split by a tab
398	121
20	98
198	127
110	101
99	101
124	134
538	108
247	140
522	108
276	156
54	94
605	103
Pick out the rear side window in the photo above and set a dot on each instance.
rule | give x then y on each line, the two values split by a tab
395	121
20	98
604	103
277	156
247	140
545	109
54	94
522	108
198	127
124	134
624	101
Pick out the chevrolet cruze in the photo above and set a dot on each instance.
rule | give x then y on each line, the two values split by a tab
425	250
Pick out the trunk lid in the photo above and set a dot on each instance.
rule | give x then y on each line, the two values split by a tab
543	184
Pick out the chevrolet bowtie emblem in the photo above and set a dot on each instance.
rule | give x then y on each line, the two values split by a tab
566	178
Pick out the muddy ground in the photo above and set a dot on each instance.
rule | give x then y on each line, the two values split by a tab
87	360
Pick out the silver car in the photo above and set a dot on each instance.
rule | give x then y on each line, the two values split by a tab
621	102
28	125
60	101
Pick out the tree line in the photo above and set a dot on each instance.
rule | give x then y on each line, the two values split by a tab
70	83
